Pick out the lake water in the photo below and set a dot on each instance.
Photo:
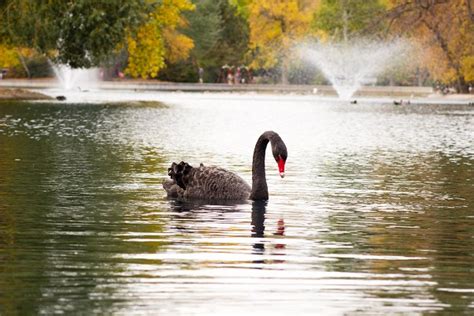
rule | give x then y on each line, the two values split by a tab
375	214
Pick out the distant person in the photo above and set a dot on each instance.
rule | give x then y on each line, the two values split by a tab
201	75
237	76
230	77
221	78
244	75
250	76
224	75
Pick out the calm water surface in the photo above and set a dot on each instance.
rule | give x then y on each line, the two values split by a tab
375	215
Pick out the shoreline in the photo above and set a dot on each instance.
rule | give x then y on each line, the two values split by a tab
26	89
19	94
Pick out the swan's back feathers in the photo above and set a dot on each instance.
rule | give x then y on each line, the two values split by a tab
217	184
206	183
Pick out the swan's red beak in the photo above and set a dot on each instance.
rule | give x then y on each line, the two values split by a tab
281	167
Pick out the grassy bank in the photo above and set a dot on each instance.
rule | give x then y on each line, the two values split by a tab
21	94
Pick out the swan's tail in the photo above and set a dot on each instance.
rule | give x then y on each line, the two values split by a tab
179	173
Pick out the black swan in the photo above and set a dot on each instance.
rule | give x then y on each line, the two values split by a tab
214	183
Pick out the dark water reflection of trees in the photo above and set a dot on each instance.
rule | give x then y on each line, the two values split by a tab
419	206
67	203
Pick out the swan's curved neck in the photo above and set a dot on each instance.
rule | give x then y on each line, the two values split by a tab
259	181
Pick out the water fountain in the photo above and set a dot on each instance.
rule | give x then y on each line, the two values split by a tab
75	79
350	65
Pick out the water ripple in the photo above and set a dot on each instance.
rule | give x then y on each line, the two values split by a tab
374	216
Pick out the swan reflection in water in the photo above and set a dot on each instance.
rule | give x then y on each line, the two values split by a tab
258	230
186	213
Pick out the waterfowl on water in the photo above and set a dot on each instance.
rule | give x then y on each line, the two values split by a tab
215	183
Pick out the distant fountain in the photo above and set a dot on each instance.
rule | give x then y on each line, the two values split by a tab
76	79
350	65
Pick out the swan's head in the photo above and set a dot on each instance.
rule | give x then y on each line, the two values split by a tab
280	154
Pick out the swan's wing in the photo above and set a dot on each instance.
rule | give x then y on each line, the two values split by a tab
216	184
205	183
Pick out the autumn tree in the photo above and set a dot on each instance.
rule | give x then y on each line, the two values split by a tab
344	19
159	39
13	57
446	30
8	57
276	27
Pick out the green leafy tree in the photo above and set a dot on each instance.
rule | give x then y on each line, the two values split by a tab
79	33
204	28
241	6
343	19
233	41
220	35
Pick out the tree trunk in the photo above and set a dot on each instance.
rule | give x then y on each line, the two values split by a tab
461	85
284	71
345	24
23	63
470	10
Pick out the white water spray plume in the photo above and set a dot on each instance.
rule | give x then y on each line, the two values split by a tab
79	78
351	64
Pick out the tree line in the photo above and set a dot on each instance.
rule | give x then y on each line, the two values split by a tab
173	39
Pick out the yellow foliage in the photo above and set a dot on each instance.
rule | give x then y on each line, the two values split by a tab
169	12
178	46
8	57
446	32
276	26
433	59
158	40
467	64
146	52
